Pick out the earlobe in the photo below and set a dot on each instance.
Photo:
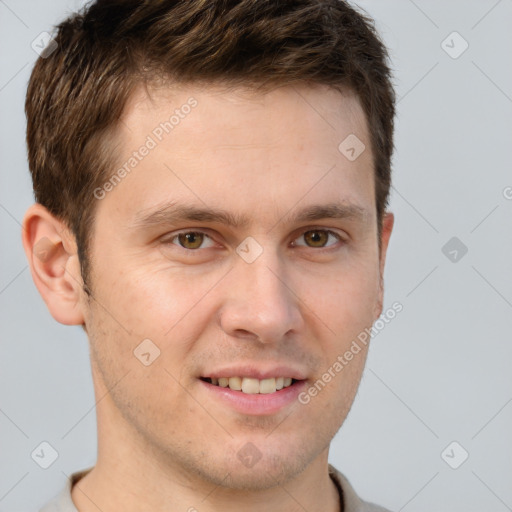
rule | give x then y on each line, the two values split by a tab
51	253
387	228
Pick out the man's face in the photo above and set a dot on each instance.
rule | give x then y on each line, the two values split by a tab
285	302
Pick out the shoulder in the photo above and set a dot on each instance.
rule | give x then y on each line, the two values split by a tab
352	502
62	502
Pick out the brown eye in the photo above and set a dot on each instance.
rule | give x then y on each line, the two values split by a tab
191	239
318	238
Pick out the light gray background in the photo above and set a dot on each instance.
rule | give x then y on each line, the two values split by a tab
439	372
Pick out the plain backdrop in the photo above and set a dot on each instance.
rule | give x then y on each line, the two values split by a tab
430	427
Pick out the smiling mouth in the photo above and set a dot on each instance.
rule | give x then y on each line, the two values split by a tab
250	385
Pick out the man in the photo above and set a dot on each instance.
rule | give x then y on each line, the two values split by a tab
211	182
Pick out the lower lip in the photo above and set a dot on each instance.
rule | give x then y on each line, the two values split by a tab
258	403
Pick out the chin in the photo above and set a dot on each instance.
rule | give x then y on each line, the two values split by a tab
273	464
270	471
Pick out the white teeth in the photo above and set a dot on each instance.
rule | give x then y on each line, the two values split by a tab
253	386
235	383
268	385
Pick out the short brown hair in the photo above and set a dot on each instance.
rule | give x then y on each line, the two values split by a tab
77	93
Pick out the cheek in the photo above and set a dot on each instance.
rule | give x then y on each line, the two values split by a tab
134	328
156	302
345	299
169	308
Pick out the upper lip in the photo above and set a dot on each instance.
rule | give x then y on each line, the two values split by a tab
256	372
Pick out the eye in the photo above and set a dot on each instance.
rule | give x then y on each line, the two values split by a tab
191	240
314	238
319	238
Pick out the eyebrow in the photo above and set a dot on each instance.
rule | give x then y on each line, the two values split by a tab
172	213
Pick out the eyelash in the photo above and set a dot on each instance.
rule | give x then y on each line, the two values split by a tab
318	249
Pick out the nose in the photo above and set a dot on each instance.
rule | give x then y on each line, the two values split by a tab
260	301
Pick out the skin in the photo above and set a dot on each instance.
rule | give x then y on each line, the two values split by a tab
163	443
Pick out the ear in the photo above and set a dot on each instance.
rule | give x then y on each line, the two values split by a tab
388	221
52	255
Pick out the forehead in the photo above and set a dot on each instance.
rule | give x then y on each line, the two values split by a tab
319	106
243	148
